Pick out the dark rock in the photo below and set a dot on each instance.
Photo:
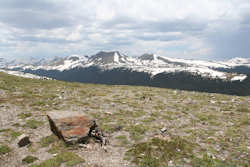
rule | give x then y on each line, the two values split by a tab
118	128
23	140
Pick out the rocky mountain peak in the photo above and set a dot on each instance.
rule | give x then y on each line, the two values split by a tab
147	56
108	58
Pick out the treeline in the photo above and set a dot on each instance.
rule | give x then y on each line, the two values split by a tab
123	76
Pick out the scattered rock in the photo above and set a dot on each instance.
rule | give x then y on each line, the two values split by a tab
212	101
98	134
108	113
163	130
118	128
74	127
23	140
82	145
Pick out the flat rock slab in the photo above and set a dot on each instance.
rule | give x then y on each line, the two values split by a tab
71	127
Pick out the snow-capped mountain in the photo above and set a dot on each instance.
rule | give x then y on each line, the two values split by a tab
230	77
239	62
109	58
148	63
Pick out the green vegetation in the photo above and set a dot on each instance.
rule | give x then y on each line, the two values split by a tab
208	161
59	146
68	158
122	140
136	132
15	134
29	159
157	152
4	130
24	115
46	141
9	132
33	124
244	110
4	149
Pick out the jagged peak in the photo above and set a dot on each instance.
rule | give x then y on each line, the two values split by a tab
110	57
148	56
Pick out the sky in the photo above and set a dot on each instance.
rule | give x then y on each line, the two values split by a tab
189	29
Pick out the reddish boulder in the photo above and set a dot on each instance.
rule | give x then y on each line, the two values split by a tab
71	127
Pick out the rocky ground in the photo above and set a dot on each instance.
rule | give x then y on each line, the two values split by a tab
145	126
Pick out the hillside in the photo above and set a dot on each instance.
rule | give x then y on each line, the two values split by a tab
145	126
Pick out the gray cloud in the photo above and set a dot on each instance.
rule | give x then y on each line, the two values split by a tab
200	29
230	44
30	14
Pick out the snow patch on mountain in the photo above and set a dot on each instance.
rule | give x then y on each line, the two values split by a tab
116	58
239	78
149	63
239	62
24	75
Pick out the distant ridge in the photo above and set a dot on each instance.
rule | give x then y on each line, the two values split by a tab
230	77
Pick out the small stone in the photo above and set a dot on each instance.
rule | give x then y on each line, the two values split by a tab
23	140
82	145
105	149
118	128
108	113
212	101
163	130
54	155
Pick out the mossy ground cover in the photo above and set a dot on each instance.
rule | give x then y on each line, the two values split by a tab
4	149
66	158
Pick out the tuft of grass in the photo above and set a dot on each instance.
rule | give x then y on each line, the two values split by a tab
33	124
245	121
15	134
122	140
29	159
208	161
136	132
9	132
157	152
4	149
5	130
57	147
24	115
16	125
243	109
69	158
32	148
46	141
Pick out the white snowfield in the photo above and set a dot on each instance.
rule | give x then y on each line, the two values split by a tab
152	64
24	75
239	78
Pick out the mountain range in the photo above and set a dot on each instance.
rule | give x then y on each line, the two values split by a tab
230	77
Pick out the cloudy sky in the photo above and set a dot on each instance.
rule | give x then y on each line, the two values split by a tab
198	29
